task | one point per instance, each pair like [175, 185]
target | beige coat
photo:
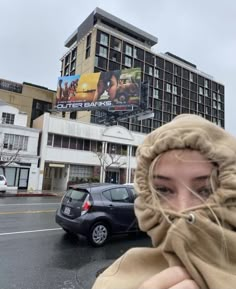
[201, 239]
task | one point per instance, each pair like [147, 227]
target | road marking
[28, 204]
[27, 212]
[26, 232]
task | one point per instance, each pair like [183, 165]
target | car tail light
[86, 206]
[6, 183]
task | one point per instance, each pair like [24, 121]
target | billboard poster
[111, 89]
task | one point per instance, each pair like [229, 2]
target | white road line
[28, 204]
[26, 232]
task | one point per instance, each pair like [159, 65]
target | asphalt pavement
[37, 254]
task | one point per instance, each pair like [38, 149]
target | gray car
[98, 211]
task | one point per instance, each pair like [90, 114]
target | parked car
[3, 184]
[98, 211]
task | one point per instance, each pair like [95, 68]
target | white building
[70, 151]
[18, 149]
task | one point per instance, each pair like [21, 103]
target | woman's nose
[185, 200]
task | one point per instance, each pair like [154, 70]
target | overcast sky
[203, 32]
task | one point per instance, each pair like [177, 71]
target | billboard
[107, 90]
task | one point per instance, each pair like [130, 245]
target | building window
[101, 62]
[174, 89]
[73, 143]
[150, 70]
[103, 51]
[176, 110]
[128, 49]
[128, 61]
[72, 65]
[50, 139]
[67, 59]
[65, 142]
[191, 76]
[177, 70]
[200, 99]
[57, 141]
[169, 67]
[15, 142]
[117, 44]
[185, 74]
[88, 45]
[193, 105]
[87, 54]
[168, 87]
[80, 172]
[104, 39]
[177, 100]
[8, 118]
[10, 86]
[166, 117]
[200, 90]
[73, 54]
[156, 84]
[156, 72]
[155, 93]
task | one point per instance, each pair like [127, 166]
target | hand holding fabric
[170, 278]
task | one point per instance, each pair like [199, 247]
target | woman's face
[178, 172]
[112, 87]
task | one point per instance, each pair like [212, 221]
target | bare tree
[107, 160]
[7, 158]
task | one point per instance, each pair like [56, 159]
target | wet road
[37, 254]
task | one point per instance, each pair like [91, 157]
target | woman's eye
[163, 190]
[204, 192]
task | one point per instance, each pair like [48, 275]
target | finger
[186, 284]
[166, 278]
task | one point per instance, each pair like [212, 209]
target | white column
[104, 153]
[128, 171]
[43, 148]
[130, 155]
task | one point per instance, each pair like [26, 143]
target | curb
[30, 195]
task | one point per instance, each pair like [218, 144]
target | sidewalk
[43, 193]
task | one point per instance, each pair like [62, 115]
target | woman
[186, 185]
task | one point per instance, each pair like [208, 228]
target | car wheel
[99, 234]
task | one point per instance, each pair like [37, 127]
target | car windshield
[1, 178]
[78, 195]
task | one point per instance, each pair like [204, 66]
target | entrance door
[23, 178]
[112, 177]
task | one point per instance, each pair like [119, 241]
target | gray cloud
[202, 32]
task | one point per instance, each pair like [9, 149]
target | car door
[120, 208]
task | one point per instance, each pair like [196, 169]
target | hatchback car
[98, 211]
[3, 184]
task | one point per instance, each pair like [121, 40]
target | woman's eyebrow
[201, 178]
[161, 177]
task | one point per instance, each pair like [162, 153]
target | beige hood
[205, 247]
